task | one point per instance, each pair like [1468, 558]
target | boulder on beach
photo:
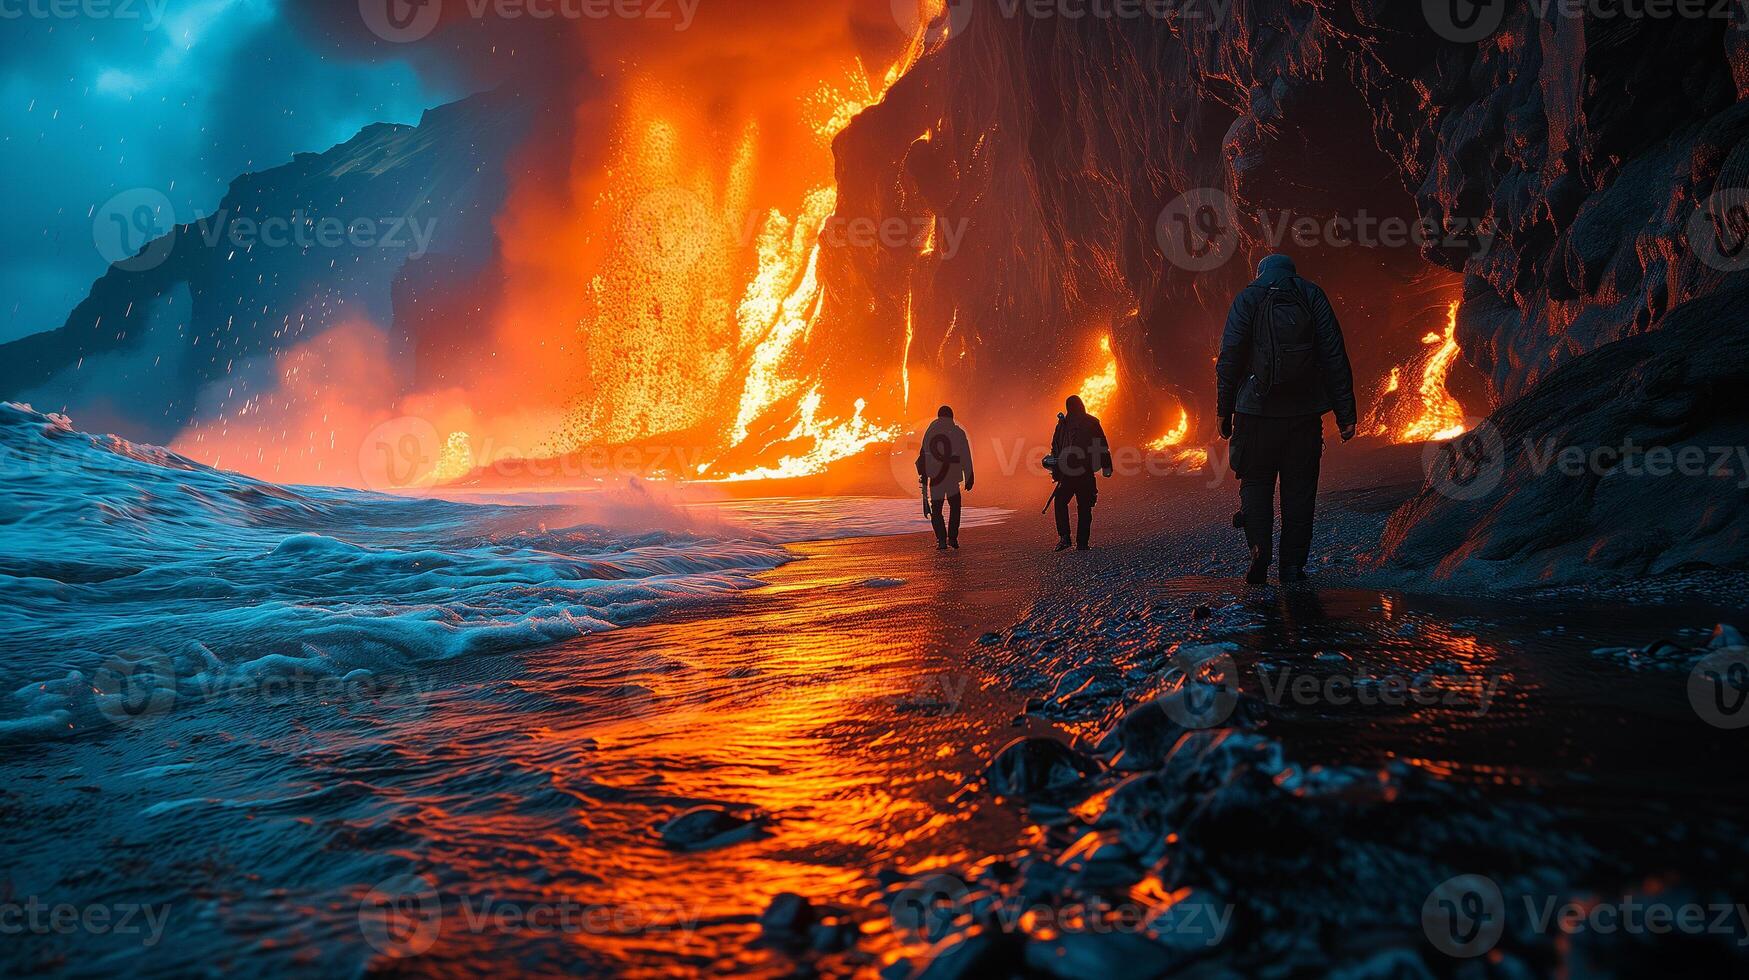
[787, 918]
[1036, 765]
[705, 827]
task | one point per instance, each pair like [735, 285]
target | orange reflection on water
[834, 704]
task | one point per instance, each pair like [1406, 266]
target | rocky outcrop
[350, 235]
[1630, 460]
[1559, 175]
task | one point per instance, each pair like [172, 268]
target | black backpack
[1284, 341]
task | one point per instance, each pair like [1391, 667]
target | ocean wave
[130, 570]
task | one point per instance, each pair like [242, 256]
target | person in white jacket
[944, 463]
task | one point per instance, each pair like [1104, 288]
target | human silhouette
[1081, 452]
[1282, 367]
[943, 462]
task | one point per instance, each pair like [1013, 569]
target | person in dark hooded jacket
[1282, 368]
[944, 462]
[1081, 451]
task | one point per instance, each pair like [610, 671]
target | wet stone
[1036, 765]
[788, 917]
[705, 827]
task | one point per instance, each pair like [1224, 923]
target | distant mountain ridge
[288, 253]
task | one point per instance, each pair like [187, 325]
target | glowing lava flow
[1098, 391]
[784, 300]
[1441, 416]
[1175, 436]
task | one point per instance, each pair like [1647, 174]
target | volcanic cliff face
[1559, 164]
[355, 235]
[1117, 177]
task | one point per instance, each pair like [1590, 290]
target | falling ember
[1099, 390]
[1441, 417]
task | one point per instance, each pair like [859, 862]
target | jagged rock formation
[1560, 163]
[215, 298]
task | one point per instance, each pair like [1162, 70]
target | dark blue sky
[97, 105]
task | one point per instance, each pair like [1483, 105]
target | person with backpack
[943, 462]
[1283, 366]
[1079, 450]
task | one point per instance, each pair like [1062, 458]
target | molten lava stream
[1440, 417]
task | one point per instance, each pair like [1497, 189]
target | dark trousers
[1290, 450]
[947, 529]
[1085, 493]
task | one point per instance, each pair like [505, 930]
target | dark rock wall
[1559, 164]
